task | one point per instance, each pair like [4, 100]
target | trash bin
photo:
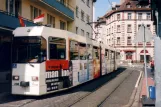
[152, 92]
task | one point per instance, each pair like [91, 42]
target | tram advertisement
[96, 63]
[58, 75]
[104, 70]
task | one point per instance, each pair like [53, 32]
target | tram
[47, 60]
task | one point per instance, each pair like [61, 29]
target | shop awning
[142, 52]
[129, 50]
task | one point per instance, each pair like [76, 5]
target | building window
[82, 15]
[118, 28]
[77, 9]
[139, 16]
[62, 2]
[138, 6]
[129, 16]
[128, 6]
[148, 26]
[129, 30]
[148, 17]
[51, 20]
[87, 34]
[118, 40]
[62, 25]
[13, 7]
[118, 16]
[76, 30]
[107, 32]
[82, 32]
[35, 12]
[88, 3]
[128, 40]
[88, 19]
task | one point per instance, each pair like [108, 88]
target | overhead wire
[110, 3]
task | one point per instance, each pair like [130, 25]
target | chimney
[122, 1]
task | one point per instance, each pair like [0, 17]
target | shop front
[148, 57]
[129, 55]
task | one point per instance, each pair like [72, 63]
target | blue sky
[102, 6]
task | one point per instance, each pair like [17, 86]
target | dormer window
[138, 6]
[128, 5]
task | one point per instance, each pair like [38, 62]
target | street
[113, 90]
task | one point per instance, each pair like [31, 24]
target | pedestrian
[152, 65]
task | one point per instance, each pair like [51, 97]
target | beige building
[118, 28]
[58, 13]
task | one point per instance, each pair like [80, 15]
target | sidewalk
[144, 99]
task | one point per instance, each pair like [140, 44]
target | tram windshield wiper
[30, 64]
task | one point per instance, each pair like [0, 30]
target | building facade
[84, 14]
[60, 14]
[119, 27]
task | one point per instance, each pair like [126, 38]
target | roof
[123, 7]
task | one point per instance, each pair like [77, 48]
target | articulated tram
[47, 60]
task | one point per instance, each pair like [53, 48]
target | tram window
[95, 52]
[74, 50]
[57, 48]
[112, 55]
[82, 51]
[106, 54]
[29, 49]
[89, 52]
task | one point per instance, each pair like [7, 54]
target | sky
[102, 6]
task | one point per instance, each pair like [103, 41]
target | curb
[132, 98]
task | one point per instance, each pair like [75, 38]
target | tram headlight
[35, 78]
[16, 77]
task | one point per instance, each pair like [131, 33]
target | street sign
[143, 31]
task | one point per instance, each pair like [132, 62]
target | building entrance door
[142, 58]
[129, 56]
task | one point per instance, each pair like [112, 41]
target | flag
[22, 24]
[39, 18]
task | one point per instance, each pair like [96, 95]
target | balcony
[56, 6]
[11, 21]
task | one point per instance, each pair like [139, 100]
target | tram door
[5, 57]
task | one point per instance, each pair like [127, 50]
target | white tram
[46, 60]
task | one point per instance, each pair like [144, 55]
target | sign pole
[145, 69]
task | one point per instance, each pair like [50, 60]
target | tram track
[111, 76]
[61, 99]
[94, 91]
[102, 103]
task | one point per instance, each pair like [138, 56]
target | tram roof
[47, 32]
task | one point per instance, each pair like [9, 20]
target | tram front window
[29, 50]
